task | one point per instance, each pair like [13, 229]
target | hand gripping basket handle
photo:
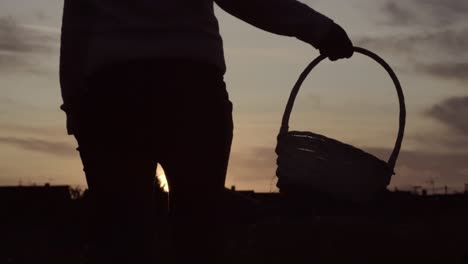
[287, 113]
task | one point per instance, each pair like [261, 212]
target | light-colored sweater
[96, 33]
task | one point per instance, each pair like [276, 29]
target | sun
[163, 182]
[162, 178]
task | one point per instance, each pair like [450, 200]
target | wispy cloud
[6, 101]
[452, 112]
[397, 14]
[438, 28]
[40, 145]
[418, 167]
[449, 42]
[447, 70]
[451, 135]
[427, 12]
[38, 130]
[17, 38]
[432, 40]
[18, 43]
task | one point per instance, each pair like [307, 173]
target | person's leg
[189, 130]
[196, 162]
[113, 135]
[121, 212]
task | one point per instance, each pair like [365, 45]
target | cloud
[15, 37]
[397, 14]
[431, 27]
[426, 12]
[39, 145]
[450, 42]
[447, 70]
[35, 130]
[441, 140]
[448, 49]
[434, 42]
[6, 101]
[453, 137]
[418, 167]
[453, 113]
[19, 43]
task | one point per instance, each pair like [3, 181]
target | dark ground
[396, 228]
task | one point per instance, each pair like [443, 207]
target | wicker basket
[312, 163]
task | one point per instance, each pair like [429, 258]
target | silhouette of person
[142, 83]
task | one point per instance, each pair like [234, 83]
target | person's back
[142, 83]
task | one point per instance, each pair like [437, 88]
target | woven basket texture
[325, 165]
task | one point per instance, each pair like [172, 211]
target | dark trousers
[140, 113]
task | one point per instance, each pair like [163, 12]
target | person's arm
[295, 19]
[283, 17]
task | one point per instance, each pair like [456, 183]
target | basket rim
[402, 115]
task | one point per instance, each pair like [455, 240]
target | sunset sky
[425, 41]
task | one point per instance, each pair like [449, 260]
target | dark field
[45, 226]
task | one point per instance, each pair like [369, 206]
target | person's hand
[336, 44]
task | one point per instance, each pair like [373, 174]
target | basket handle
[287, 113]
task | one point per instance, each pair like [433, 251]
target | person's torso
[107, 30]
[153, 14]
